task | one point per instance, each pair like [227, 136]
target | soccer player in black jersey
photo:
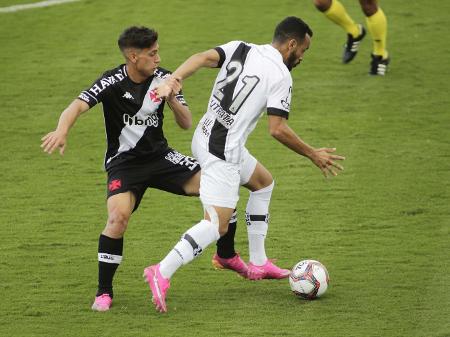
[137, 156]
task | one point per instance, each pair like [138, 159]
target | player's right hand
[53, 140]
[324, 159]
[170, 87]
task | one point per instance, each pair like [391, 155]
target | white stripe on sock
[109, 258]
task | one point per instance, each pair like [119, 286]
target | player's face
[298, 50]
[147, 60]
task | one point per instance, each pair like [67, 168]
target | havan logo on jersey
[151, 120]
[105, 82]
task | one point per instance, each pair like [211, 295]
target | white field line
[15, 8]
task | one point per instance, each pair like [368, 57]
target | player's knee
[369, 7]
[117, 220]
[218, 221]
[322, 5]
[266, 182]
[223, 229]
[260, 179]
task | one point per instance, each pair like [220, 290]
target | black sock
[225, 245]
[109, 258]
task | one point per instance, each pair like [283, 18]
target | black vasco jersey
[133, 114]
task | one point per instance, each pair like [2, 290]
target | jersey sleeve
[180, 98]
[279, 100]
[226, 50]
[96, 92]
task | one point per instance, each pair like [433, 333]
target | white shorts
[220, 180]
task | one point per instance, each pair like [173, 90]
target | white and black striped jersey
[133, 114]
[252, 79]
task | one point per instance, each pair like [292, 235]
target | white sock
[257, 218]
[192, 243]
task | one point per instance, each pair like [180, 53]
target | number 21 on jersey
[225, 88]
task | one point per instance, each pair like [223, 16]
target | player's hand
[53, 140]
[169, 88]
[324, 159]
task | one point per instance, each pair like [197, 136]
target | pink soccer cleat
[102, 303]
[234, 263]
[158, 285]
[266, 271]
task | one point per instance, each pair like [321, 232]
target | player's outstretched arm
[206, 59]
[57, 139]
[323, 158]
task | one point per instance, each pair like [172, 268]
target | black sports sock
[225, 245]
[109, 258]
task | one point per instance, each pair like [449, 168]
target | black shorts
[168, 172]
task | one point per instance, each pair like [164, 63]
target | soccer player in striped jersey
[137, 156]
[251, 79]
[376, 24]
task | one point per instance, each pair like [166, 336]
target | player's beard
[291, 61]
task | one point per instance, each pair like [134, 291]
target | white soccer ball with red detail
[309, 279]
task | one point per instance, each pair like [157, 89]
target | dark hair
[137, 37]
[291, 28]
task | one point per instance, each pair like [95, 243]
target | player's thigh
[175, 173]
[127, 177]
[260, 178]
[192, 185]
[121, 205]
[247, 167]
[219, 183]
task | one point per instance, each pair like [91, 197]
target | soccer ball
[309, 279]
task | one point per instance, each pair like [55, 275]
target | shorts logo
[115, 185]
[154, 97]
[180, 159]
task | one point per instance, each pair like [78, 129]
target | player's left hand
[324, 159]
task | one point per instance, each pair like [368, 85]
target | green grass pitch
[381, 227]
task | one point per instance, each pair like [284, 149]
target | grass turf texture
[381, 228]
